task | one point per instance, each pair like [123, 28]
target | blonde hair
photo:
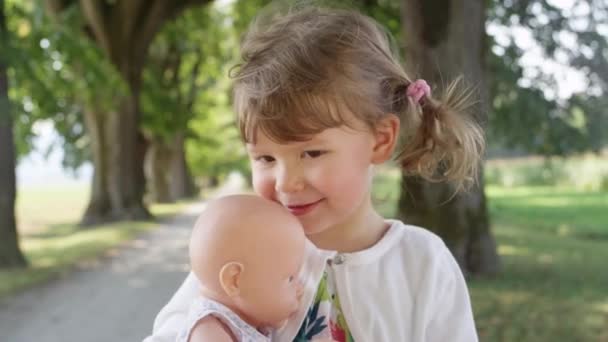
[313, 68]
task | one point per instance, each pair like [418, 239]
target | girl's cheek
[352, 185]
[263, 186]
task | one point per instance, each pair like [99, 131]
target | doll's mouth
[303, 209]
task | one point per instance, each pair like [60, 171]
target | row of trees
[139, 89]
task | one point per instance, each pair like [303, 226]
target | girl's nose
[288, 181]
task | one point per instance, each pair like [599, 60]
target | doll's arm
[211, 329]
[171, 317]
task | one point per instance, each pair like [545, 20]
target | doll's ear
[230, 275]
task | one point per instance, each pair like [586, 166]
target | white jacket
[407, 287]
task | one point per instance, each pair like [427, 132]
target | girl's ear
[386, 135]
[230, 276]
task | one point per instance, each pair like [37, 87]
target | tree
[573, 37]
[124, 30]
[445, 39]
[57, 74]
[10, 254]
[186, 60]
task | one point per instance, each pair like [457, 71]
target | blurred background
[115, 117]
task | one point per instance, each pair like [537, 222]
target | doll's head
[246, 252]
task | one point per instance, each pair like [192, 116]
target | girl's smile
[303, 209]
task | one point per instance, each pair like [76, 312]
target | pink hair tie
[418, 89]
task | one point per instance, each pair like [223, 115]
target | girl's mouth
[303, 209]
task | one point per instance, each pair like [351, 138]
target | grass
[554, 285]
[588, 172]
[553, 245]
[53, 243]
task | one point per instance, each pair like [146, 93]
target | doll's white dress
[204, 307]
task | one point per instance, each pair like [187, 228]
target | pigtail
[444, 142]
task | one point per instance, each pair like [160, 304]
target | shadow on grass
[66, 229]
[549, 289]
[54, 230]
[52, 256]
[562, 213]
[62, 246]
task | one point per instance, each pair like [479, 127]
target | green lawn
[53, 243]
[553, 244]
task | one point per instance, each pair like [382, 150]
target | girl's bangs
[284, 117]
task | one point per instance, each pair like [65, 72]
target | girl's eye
[264, 159]
[291, 278]
[312, 154]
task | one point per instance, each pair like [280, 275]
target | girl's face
[324, 182]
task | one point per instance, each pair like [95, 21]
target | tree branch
[193, 89]
[56, 6]
[97, 17]
[129, 14]
[156, 14]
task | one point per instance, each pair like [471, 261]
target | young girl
[320, 100]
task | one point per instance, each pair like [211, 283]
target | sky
[569, 80]
[36, 170]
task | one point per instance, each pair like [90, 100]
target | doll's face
[247, 251]
[270, 288]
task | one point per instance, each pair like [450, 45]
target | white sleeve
[452, 316]
[172, 316]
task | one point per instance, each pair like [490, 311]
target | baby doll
[246, 252]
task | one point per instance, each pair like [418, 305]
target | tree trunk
[167, 171]
[118, 151]
[99, 203]
[180, 179]
[10, 254]
[445, 39]
[157, 171]
[126, 181]
[124, 31]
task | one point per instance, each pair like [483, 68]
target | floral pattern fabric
[325, 318]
